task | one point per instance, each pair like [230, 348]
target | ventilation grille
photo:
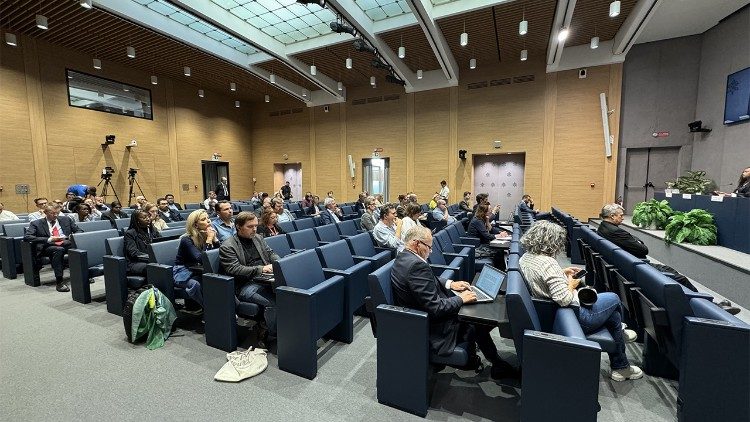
[522, 79]
[504, 81]
[477, 85]
[392, 97]
[359, 101]
[278, 113]
[372, 100]
[497, 82]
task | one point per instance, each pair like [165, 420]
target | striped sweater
[546, 279]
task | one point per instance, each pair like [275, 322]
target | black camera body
[107, 172]
[109, 139]
[132, 172]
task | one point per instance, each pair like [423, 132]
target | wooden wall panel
[327, 150]
[579, 150]
[431, 140]
[17, 159]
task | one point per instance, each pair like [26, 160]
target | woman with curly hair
[548, 280]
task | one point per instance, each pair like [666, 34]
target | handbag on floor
[242, 365]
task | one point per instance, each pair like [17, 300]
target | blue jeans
[183, 277]
[606, 312]
[262, 296]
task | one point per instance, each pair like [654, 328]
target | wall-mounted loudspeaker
[462, 154]
[605, 124]
[351, 167]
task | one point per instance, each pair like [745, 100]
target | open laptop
[488, 284]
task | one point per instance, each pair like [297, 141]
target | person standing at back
[286, 191]
[222, 190]
[444, 191]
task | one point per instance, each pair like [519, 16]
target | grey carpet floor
[64, 361]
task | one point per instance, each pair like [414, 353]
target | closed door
[501, 177]
[646, 171]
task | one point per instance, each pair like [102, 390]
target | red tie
[56, 233]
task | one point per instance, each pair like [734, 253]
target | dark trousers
[478, 335]
[139, 269]
[674, 275]
[56, 253]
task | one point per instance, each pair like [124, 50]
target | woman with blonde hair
[153, 213]
[199, 236]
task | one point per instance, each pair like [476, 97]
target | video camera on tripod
[107, 173]
[132, 172]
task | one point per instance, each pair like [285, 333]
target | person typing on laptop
[415, 286]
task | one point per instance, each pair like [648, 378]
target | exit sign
[662, 134]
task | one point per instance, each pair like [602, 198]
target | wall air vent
[297, 110]
[391, 97]
[522, 79]
[477, 85]
[285, 112]
[498, 82]
[374, 100]
[274, 113]
[359, 101]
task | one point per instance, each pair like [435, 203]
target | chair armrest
[546, 310]
[438, 269]
[332, 272]
[453, 255]
[115, 282]
[566, 324]
[323, 242]
[463, 245]
[329, 283]
[219, 311]
[696, 295]
[160, 276]
[78, 263]
[296, 250]
[473, 241]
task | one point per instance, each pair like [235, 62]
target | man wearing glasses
[39, 213]
[416, 287]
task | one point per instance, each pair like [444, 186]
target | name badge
[717, 198]
[687, 196]
[668, 194]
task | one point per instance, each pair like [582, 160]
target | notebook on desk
[488, 284]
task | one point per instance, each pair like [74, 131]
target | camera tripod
[105, 190]
[132, 182]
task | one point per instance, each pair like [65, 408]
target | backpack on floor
[127, 310]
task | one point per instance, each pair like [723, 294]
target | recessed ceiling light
[348, 62]
[523, 27]
[272, 78]
[372, 80]
[237, 104]
[340, 86]
[232, 86]
[154, 80]
[97, 63]
[201, 93]
[614, 9]
[594, 42]
[473, 64]
[524, 55]
[186, 71]
[267, 98]
[304, 93]
[420, 74]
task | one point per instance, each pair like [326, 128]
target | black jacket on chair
[416, 287]
[623, 239]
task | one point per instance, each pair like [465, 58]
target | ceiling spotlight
[11, 39]
[232, 86]
[614, 8]
[361, 46]
[201, 93]
[97, 64]
[348, 62]
[272, 78]
[313, 70]
[464, 39]
[473, 64]
[130, 52]
[340, 86]
[186, 71]
[594, 42]
[523, 27]
[342, 28]
[524, 55]
[321, 3]
[563, 34]
[401, 52]
[378, 64]
[86, 4]
[41, 22]
[394, 80]
[304, 93]
[237, 104]
[372, 80]
[154, 80]
[419, 74]
[267, 98]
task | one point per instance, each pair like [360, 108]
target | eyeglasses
[428, 246]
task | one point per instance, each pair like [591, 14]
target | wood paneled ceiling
[106, 37]
[493, 38]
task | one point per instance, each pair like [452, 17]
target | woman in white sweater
[548, 280]
[411, 218]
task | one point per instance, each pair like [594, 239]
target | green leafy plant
[695, 226]
[652, 212]
[693, 182]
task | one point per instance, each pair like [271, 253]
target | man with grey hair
[369, 219]
[332, 213]
[612, 216]
[440, 213]
[416, 287]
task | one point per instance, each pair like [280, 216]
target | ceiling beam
[262, 41]
[422, 10]
[634, 25]
[563, 16]
[365, 27]
[148, 18]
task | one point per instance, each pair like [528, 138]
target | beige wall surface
[554, 119]
[49, 145]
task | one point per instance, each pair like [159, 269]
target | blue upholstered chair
[279, 244]
[309, 306]
[116, 279]
[327, 233]
[159, 270]
[362, 248]
[348, 228]
[287, 226]
[467, 252]
[303, 239]
[304, 223]
[459, 236]
[447, 266]
[10, 249]
[85, 260]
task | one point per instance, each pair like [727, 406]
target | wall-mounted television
[737, 103]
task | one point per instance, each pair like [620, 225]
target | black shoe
[474, 364]
[503, 369]
[724, 303]
[62, 287]
[733, 310]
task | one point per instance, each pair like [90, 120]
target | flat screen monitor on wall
[737, 104]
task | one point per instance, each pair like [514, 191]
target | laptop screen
[489, 280]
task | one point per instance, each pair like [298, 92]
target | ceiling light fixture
[594, 43]
[473, 64]
[402, 49]
[340, 86]
[304, 93]
[97, 64]
[313, 70]
[130, 51]
[272, 78]
[201, 93]
[523, 27]
[372, 80]
[41, 22]
[154, 80]
[86, 4]
[419, 74]
[614, 9]
[232, 86]
[267, 98]
[464, 39]
[237, 104]
[563, 34]
[524, 55]
[11, 39]
[342, 28]
[186, 71]
[348, 62]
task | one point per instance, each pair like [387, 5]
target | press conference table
[731, 216]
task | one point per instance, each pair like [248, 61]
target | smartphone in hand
[580, 274]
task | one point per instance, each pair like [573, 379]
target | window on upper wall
[100, 94]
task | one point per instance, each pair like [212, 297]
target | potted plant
[693, 182]
[695, 226]
[652, 214]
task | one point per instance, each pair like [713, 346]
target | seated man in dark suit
[172, 204]
[332, 213]
[527, 205]
[415, 286]
[52, 233]
[167, 214]
[612, 216]
[244, 256]
[114, 213]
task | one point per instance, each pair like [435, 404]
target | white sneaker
[629, 373]
[624, 326]
[629, 335]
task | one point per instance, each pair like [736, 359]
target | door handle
[649, 185]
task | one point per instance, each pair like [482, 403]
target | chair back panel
[211, 261]
[361, 245]
[115, 246]
[301, 270]
[304, 223]
[327, 233]
[279, 244]
[16, 230]
[287, 226]
[445, 241]
[336, 255]
[303, 239]
[347, 228]
[93, 226]
[379, 281]
[163, 252]
[93, 244]
[521, 312]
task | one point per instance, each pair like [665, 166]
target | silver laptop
[487, 285]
